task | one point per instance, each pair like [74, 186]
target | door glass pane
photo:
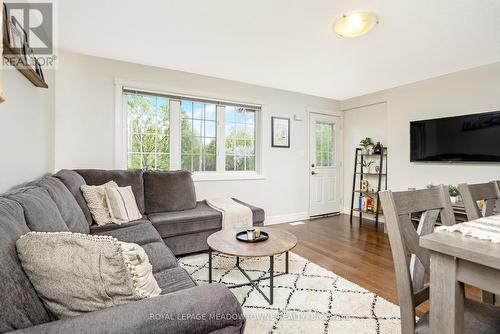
[325, 145]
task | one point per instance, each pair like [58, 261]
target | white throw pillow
[76, 273]
[95, 196]
[121, 204]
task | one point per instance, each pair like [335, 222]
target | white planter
[454, 199]
[364, 150]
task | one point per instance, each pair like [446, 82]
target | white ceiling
[288, 44]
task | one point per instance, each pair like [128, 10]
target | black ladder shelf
[360, 175]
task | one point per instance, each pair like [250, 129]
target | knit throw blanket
[486, 228]
[234, 214]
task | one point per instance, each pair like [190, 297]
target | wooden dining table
[457, 259]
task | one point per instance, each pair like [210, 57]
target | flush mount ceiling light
[355, 24]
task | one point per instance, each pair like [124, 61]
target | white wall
[465, 92]
[85, 109]
[26, 129]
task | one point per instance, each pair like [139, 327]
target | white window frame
[121, 132]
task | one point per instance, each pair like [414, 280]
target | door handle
[313, 173]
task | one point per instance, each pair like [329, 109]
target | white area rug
[310, 299]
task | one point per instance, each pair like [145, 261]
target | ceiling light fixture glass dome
[355, 24]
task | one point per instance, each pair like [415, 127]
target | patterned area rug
[310, 299]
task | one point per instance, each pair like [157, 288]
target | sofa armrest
[202, 309]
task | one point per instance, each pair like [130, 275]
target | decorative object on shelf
[366, 144]
[366, 165]
[16, 35]
[29, 57]
[368, 201]
[378, 148]
[454, 193]
[39, 69]
[280, 132]
[5, 26]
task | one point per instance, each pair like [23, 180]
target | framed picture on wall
[280, 132]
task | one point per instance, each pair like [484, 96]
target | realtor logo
[36, 19]
[28, 34]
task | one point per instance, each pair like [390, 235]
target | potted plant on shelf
[366, 165]
[366, 144]
[454, 193]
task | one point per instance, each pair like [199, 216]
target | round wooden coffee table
[225, 242]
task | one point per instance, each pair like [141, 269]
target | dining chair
[410, 271]
[472, 193]
[489, 193]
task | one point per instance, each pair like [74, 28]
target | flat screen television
[471, 138]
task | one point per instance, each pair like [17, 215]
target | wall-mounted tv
[474, 138]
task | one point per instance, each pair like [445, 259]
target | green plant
[366, 143]
[366, 164]
[453, 190]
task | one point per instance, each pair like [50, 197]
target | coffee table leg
[271, 279]
[286, 262]
[209, 266]
[237, 261]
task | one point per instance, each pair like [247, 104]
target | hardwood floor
[360, 254]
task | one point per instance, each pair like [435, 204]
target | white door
[324, 176]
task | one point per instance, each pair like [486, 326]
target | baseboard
[288, 218]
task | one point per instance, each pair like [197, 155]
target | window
[167, 132]
[198, 136]
[240, 139]
[148, 132]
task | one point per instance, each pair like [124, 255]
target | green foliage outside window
[149, 131]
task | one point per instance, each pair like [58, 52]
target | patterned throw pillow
[96, 201]
[76, 273]
[122, 205]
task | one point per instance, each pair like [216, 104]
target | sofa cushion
[70, 211]
[141, 232]
[174, 279]
[20, 304]
[123, 178]
[73, 181]
[96, 201]
[122, 204]
[168, 191]
[77, 273]
[138, 231]
[40, 211]
[201, 218]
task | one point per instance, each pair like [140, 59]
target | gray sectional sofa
[55, 203]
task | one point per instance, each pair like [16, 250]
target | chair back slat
[417, 200]
[472, 193]
[403, 236]
[418, 268]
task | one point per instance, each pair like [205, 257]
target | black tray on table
[242, 236]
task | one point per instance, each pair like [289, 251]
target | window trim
[121, 138]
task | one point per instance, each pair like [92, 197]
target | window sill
[202, 177]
